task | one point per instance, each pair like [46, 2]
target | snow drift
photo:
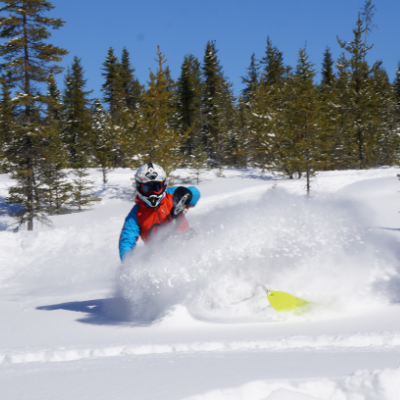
[362, 385]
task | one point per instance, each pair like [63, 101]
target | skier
[156, 206]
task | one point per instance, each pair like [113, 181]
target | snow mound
[325, 251]
[362, 385]
[377, 341]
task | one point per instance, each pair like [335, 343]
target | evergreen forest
[283, 119]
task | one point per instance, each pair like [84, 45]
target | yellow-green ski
[281, 301]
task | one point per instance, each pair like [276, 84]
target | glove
[181, 199]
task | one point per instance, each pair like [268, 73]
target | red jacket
[143, 220]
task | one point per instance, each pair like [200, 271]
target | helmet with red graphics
[151, 182]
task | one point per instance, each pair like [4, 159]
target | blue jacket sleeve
[130, 233]
[195, 194]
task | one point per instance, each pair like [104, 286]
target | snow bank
[325, 251]
[362, 385]
[374, 341]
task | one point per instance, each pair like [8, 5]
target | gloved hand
[181, 198]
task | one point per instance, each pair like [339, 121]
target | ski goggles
[154, 187]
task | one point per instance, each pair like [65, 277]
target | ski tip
[266, 290]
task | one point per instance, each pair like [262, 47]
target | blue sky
[239, 27]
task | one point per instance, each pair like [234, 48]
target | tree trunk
[29, 160]
[360, 148]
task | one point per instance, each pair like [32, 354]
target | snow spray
[323, 250]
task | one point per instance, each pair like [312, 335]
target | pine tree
[122, 94]
[265, 145]
[82, 192]
[305, 120]
[56, 189]
[113, 88]
[251, 79]
[367, 13]
[383, 140]
[260, 110]
[189, 91]
[7, 122]
[132, 90]
[396, 86]
[274, 70]
[328, 77]
[362, 98]
[159, 134]
[103, 139]
[28, 60]
[329, 109]
[217, 108]
[338, 107]
[54, 101]
[77, 125]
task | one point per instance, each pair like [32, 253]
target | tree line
[282, 120]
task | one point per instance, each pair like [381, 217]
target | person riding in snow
[156, 206]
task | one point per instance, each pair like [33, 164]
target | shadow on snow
[111, 311]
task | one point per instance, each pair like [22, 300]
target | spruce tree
[28, 59]
[8, 121]
[328, 77]
[77, 125]
[273, 70]
[159, 134]
[217, 108]
[264, 145]
[54, 101]
[56, 189]
[103, 139]
[260, 120]
[367, 13]
[82, 192]
[362, 98]
[329, 108]
[396, 86]
[251, 79]
[305, 120]
[132, 90]
[122, 95]
[189, 91]
[112, 88]
[383, 140]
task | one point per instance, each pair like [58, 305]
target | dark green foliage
[113, 86]
[28, 61]
[132, 90]
[160, 137]
[273, 70]
[57, 191]
[396, 86]
[328, 77]
[306, 122]
[251, 79]
[362, 99]
[123, 95]
[82, 193]
[189, 92]
[77, 124]
[7, 122]
[216, 107]
[102, 139]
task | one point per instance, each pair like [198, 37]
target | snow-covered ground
[190, 320]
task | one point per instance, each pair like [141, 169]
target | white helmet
[151, 182]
